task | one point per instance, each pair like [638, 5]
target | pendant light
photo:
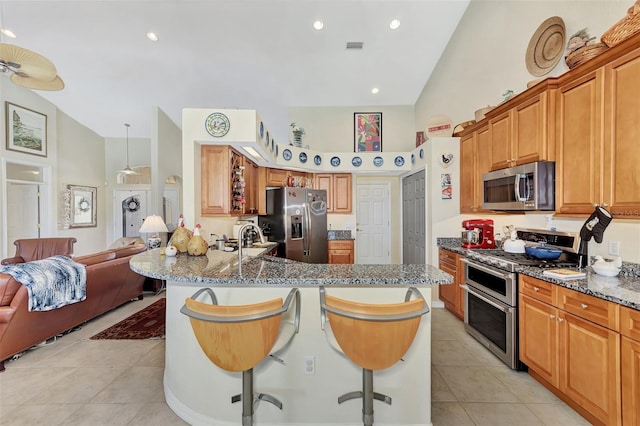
[127, 170]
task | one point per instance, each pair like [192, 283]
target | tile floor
[120, 382]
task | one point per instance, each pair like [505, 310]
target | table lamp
[153, 225]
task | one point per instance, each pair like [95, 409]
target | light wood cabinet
[563, 347]
[341, 251]
[474, 162]
[630, 365]
[598, 160]
[520, 135]
[339, 191]
[452, 294]
[215, 162]
[277, 177]
[255, 189]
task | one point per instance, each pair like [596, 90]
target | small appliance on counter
[478, 234]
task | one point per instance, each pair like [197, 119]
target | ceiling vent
[354, 45]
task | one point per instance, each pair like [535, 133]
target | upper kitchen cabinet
[474, 162]
[339, 191]
[598, 160]
[520, 134]
[216, 164]
[255, 188]
[277, 177]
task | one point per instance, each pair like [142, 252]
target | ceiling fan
[128, 170]
[29, 69]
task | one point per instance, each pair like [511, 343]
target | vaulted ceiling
[247, 54]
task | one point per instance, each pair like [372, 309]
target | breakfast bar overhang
[200, 393]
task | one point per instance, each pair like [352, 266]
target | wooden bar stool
[373, 336]
[237, 338]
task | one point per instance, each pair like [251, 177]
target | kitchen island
[199, 392]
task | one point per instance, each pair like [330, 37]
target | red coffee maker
[478, 234]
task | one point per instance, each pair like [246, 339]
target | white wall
[485, 57]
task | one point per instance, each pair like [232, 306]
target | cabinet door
[276, 177]
[447, 293]
[342, 193]
[578, 140]
[251, 190]
[340, 256]
[468, 174]
[538, 342]
[590, 367]
[500, 134]
[483, 164]
[622, 136]
[215, 164]
[325, 181]
[630, 360]
[530, 130]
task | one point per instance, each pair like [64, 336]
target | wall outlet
[614, 248]
[309, 365]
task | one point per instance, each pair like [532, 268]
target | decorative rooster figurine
[197, 246]
[181, 236]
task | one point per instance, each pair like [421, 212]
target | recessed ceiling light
[152, 36]
[394, 24]
[375, 90]
[7, 32]
[318, 25]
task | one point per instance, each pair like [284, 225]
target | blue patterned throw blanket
[51, 283]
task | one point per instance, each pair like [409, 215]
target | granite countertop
[338, 234]
[219, 268]
[623, 289]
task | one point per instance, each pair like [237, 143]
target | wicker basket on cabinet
[624, 28]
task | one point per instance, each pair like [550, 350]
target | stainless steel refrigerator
[297, 219]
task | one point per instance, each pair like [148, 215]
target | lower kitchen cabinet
[576, 357]
[452, 294]
[341, 251]
[630, 365]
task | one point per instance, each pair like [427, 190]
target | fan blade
[31, 63]
[33, 83]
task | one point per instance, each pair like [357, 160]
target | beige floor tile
[523, 385]
[475, 384]
[440, 392]
[19, 384]
[79, 387]
[36, 415]
[104, 414]
[449, 414]
[136, 384]
[157, 414]
[155, 357]
[500, 414]
[557, 414]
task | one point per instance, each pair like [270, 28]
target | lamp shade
[153, 224]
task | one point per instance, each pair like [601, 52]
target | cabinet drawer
[596, 310]
[446, 267]
[630, 322]
[538, 289]
[340, 245]
[446, 256]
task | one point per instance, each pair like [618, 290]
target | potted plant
[297, 134]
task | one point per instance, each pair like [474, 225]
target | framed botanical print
[26, 130]
[367, 132]
[82, 206]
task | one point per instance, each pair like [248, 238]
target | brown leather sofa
[110, 283]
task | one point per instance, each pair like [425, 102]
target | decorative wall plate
[421, 153]
[399, 161]
[272, 147]
[335, 161]
[261, 130]
[302, 157]
[277, 150]
[317, 160]
[413, 159]
[286, 154]
[445, 159]
[356, 161]
[217, 124]
[378, 161]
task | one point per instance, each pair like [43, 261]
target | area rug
[145, 324]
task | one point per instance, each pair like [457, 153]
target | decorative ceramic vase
[297, 138]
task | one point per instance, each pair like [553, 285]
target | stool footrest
[358, 394]
[259, 396]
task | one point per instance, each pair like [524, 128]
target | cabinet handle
[584, 305]
[536, 289]
[551, 316]
[560, 319]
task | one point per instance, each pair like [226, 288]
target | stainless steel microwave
[525, 187]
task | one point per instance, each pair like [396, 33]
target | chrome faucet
[240, 232]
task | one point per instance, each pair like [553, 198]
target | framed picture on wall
[367, 132]
[82, 202]
[26, 130]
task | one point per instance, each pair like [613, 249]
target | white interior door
[129, 211]
[23, 213]
[373, 227]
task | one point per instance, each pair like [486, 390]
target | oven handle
[506, 276]
[506, 310]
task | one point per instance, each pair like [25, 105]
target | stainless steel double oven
[490, 313]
